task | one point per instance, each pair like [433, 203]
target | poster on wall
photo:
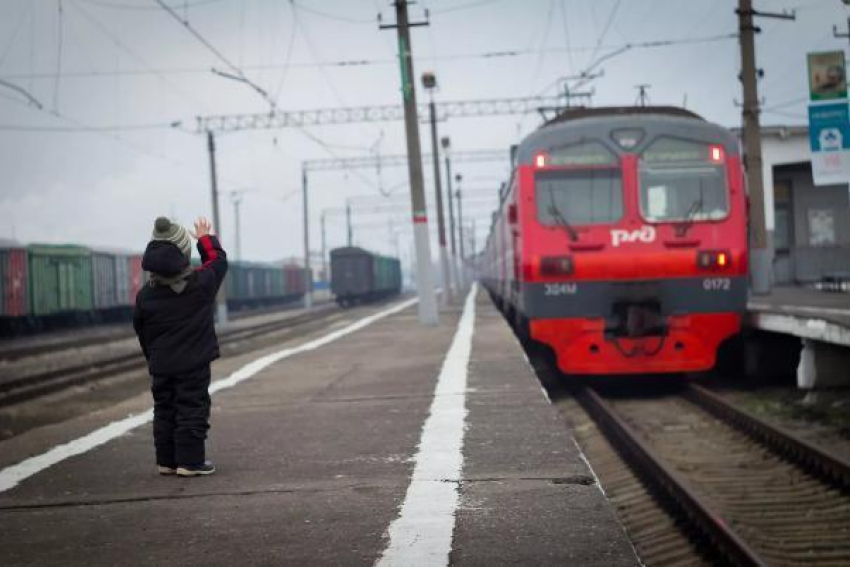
[821, 227]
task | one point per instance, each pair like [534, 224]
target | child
[173, 319]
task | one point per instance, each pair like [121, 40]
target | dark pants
[181, 414]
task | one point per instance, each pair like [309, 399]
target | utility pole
[349, 229]
[458, 178]
[840, 35]
[445, 142]
[308, 273]
[220, 298]
[427, 297]
[429, 81]
[236, 199]
[760, 255]
[643, 96]
[324, 251]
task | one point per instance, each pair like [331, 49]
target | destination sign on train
[585, 154]
[677, 151]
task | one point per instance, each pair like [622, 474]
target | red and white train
[621, 240]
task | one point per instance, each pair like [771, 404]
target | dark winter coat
[176, 330]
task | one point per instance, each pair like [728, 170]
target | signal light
[715, 154]
[713, 260]
[554, 266]
[540, 160]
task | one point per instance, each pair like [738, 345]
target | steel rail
[669, 483]
[806, 455]
[35, 385]
[12, 353]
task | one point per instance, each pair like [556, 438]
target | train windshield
[683, 181]
[579, 197]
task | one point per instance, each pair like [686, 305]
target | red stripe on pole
[420, 219]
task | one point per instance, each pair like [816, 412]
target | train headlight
[715, 154]
[540, 160]
[714, 260]
[555, 266]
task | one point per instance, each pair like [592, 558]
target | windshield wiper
[683, 227]
[559, 216]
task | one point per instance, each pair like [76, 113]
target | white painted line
[791, 309]
[11, 476]
[422, 534]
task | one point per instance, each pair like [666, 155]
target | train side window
[683, 180]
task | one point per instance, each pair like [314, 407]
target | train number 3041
[716, 284]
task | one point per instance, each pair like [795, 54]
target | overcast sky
[128, 69]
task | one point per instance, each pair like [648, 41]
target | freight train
[45, 286]
[358, 276]
[621, 240]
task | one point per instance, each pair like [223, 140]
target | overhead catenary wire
[288, 57]
[59, 44]
[486, 55]
[239, 74]
[112, 4]
[124, 47]
[14, 35]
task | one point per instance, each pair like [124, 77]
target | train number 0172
[716, 284]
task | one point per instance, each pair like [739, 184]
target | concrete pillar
[823, 365]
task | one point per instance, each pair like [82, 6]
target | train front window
[579, 197]
[683, 180]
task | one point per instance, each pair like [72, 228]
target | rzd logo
[643, 234]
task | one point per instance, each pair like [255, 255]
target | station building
[808, 225]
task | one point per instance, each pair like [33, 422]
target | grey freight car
[358, 275]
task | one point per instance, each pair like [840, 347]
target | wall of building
[820, 225]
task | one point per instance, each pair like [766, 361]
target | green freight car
[60, 281]
[358, 275]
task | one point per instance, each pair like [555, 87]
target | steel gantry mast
[377, 113]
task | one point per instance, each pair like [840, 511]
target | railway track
[32, 386]
[89, 337]
[748, 491]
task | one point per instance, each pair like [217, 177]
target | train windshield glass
[584, 196]
[683, 180]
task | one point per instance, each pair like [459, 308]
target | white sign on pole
[829, 138]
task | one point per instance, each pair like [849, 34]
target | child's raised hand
[202, 227]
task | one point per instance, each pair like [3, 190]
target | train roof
[584, 124]
[577, 112]
[357, 251]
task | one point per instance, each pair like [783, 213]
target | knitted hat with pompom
[164, 229]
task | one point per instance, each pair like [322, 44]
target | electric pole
[445, 142]
[760, 255]
[427, 297]
[236, 199]
[349, 229]
[643, 96]
[840, 35]
[324, 251]
[308, 273]
[458, 177]
[429, 81]
[220, 298]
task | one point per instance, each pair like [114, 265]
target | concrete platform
[820, 319]
[316, 454]
[805, 312]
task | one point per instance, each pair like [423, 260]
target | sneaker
[165, 470]
[196, 470]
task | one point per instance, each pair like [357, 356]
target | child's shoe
[196, 470]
